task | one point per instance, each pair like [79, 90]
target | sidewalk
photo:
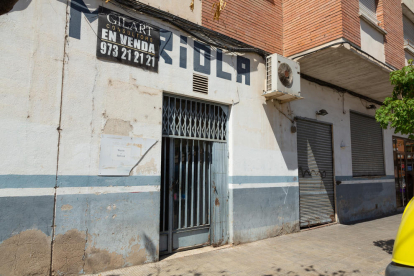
[338, 250]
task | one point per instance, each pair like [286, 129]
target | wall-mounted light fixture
[322, 112]
[371, 106]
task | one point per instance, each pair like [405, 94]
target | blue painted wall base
[261, 213]
[365, 201]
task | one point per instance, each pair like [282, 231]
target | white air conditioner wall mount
[282, 79]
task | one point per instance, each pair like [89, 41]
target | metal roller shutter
[316, 179]
[369, 8]
[408, 30]
[367, 146]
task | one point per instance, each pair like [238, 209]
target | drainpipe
[59, 129]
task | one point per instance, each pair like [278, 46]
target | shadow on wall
[150, 247]
[371, 32]
[7, 5]
[277, 116]
[386, 245]
[359, 203]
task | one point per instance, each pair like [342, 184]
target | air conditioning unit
[282, 79]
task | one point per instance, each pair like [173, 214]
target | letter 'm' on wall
[243, 69]
[77, 7]
[220, 72]
[166, 44]
[202, 57]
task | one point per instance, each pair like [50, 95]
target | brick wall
[394, 39]
[350, 21]
[255, 22]
[380, 12]
[304, 24]
[310, 23]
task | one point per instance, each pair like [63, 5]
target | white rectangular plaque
[119, 154]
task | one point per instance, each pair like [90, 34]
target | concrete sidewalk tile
[360, 249]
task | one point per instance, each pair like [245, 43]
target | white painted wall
[372, 41]
[97, 93]
[30, 85]
[180, 8]
[261, 142]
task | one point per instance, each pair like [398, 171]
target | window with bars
[408, 30]
[193, 119]
[369, 9]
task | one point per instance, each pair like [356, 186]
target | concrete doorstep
[363, 248]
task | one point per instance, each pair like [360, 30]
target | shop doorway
[403, 170]
[316, 176]
[193, 175]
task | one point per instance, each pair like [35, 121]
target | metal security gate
[191, 132]
[316, 178]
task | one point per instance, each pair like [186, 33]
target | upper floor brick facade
[290, 27]
[258, 23]
[308, 24]
[392, 22]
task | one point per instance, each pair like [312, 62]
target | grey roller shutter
[316, 179]
[367, 146]
[408, 30]
[369, 8]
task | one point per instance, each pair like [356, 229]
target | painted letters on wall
[202, 57]
[77, 7]
[202, 53]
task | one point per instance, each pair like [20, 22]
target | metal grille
[369, 8]
[193, 119]
[190, 169]
[185, 192]
[269, 73]
[200, 84]
[408, 30]
[316, 179]
[367, 146]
